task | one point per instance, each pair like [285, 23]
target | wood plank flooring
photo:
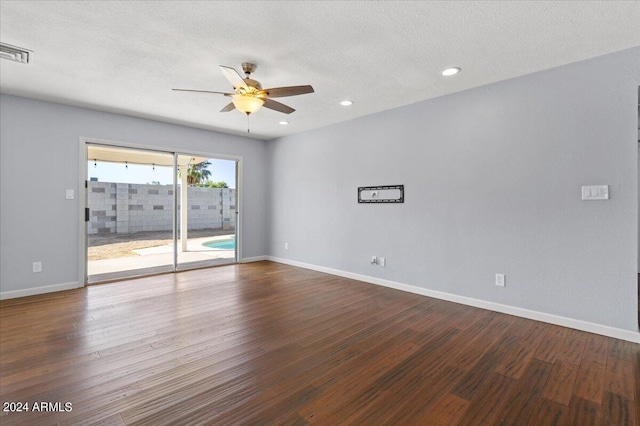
[270, 344]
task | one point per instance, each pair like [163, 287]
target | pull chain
[248, 131]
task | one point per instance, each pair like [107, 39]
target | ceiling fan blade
[281, 92]
[203, 91]
[234, 77]
[277, 106]
[229, 107]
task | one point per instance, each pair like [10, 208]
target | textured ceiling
[126, 56]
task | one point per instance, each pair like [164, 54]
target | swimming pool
[229, 244]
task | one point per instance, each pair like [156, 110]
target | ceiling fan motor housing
[253, 83]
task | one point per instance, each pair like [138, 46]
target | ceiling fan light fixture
[451, 71]
[247, 103]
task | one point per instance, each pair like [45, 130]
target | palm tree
[197, 173]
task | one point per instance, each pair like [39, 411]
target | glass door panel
[130, 204]
[206, 212]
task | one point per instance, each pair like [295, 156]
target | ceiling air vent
[14, 53]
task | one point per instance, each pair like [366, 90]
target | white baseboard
[253, 259]
[38, 290]
[617, 333]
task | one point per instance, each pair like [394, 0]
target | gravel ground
[113, 245]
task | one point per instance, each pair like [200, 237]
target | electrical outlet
[37, 267]
[374, 260]
[500, 280]
[382, 262]
[286, 246]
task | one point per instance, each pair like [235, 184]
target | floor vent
[14, 53]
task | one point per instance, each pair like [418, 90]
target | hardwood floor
[266, 343]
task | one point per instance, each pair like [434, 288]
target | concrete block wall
[150, 208]
[130, 208]
[204, 208]
[102, 207]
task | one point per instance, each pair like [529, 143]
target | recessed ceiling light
[346, 103]
[451, 71]
[284, 123]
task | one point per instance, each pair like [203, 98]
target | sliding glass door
[150, 212]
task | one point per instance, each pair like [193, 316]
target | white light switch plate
[70, 194]
[595, 192]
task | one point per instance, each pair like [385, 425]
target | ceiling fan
[249, 96]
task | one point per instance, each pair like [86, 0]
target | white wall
[39, 154]
[492, 182]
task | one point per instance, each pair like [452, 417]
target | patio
[113, 256]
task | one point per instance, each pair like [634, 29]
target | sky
[221, 170]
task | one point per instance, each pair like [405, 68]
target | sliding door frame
[82, 195]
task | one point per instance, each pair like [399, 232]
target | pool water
[221, 244]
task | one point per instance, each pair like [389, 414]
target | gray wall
[492, 182]
[39, 142]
